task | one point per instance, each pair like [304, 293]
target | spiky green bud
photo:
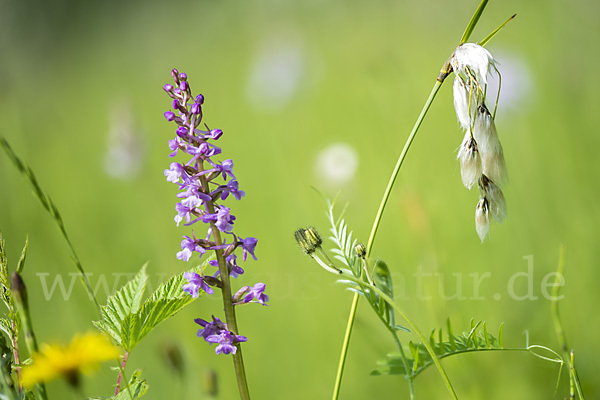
[308, 239]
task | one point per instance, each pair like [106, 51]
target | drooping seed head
[495, 198]
[470, 162]
[482, 221]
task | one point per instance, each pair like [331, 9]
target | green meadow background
[81, 102]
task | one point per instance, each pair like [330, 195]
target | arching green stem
[413, 328]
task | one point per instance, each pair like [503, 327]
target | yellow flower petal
[83, 354]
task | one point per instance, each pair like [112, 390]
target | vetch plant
[482, 163]
[213, 254]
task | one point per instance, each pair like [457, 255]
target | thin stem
[411, 377]
[409, 141]
[560, 333]
[414, 328]
[19, 292]
[230, 318]
[49, 205]
[121, 372]
[228, 307]
[14, 340]
[346, 342]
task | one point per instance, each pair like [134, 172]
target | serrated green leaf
[165, 302]
[155, 312]
[3, 264]
[6, 326]
[30, 395]
[171, 289]
[5, 294]
[124, 302]
[138, 387]
[130, 331]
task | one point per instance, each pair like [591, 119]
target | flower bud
[360, 250]
[216, 134]
[182, 132]
[308, 239]
[212, 281]
[195, 109]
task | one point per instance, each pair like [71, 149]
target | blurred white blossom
[337, 164]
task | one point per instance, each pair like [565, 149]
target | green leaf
[3, 264]
[343, 240]
[474, 19]
[124, 302]
[135, 389]
[383, 280]
[21, 263]
[6, 326]
[491, 35]
[171, 289]
[420, 359]
[450, 335]
[136, 386]
[166, 301]
[486, 336]
[130, 331]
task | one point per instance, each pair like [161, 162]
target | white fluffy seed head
[495, 199]
[472, 59]
[482, 221]
[490, 149]
[470, 162]
[465, 112]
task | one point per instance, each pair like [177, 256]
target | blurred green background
[81, 102]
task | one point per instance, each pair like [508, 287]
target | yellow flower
[83, 354]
